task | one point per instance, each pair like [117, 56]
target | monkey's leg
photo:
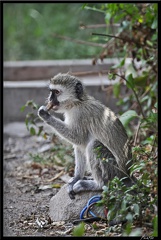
[97, 170]
[80, 164]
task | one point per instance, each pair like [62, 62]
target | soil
[27, 188]
[29, 183]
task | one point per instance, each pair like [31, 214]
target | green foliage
[79, 230]
[31, 119]
[137, 39]
[126, 117]
[135, 203]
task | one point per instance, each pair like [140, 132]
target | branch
[137, 131]
[83, 26]
[79, 41]
[108, 35]
[86, 73]
[127, 39]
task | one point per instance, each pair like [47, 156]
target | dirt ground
[25, 202]
[29, 183]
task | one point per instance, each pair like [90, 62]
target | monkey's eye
[56, 92]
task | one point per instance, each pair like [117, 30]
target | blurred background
[29, 30]
[43, 39]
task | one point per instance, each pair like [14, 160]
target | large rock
[63, 208]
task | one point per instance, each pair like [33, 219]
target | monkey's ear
[79, 90]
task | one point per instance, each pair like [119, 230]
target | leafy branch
[129, 81]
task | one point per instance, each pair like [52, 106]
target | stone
[62, 208]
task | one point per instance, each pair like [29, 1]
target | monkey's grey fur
[97, 135]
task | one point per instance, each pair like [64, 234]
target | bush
[136, 38]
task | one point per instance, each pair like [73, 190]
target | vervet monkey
[97, 135]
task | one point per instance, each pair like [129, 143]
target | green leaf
[22, 108]
[136, 208]
[120, 64]
[111, 214]
[130, 71]
[126, 117]
[123, 204]
[130, 81]
[111, 76]
[149, 43]
[29, 103]
[136, 168]
[116, 90]
[155, 226]
[152, 118]
[35, 106]
[27, 123]
[129, 217]
[141, 80]
[148, 140]
[84, 5]
[79, 230]
[40, 130]
[154, 24]
[32, 131]
[156, 105]
[128, 229]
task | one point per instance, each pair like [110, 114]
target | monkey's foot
[70, 190]
[86, 185]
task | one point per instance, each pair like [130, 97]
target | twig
[89, 73]
[57, 176]
[79, 41]
[82, 26]
[137, 131]
[108, 35]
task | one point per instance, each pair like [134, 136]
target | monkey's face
[65, 92]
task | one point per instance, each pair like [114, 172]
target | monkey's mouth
[50, 106]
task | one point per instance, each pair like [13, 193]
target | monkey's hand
[43, 113]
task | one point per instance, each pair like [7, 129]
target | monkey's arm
[59, 126]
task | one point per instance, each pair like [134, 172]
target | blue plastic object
[90, 201]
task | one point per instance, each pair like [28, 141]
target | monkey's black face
[53, 101]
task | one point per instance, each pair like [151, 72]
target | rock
[62, 208]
